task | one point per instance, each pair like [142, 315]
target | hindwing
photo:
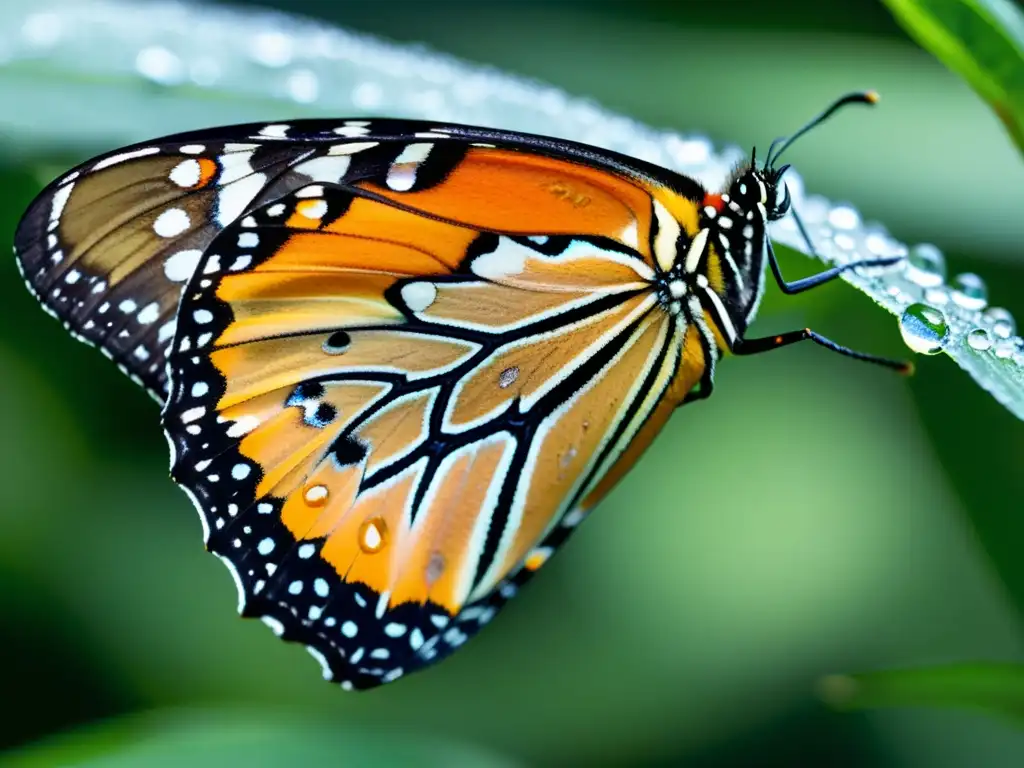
[389, 421]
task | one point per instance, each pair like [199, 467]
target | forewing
[108, 247]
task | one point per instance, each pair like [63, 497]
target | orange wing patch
[515, 192]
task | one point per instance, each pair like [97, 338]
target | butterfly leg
[806, 283]
[768, 343]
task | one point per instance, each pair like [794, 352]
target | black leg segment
[768, 343]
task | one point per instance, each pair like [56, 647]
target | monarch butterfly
[401, 361]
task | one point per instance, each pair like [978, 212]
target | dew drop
[160, 66]
[435, 567]
[924, 329]
[1004, 349]
[303, 86]
[1002, 322]
[565, 459]
[508, 377]
[936, 296]
[925, 265]
[316, 495]
[373, 535]
[844, 217]
[979, 339]
[969, 291]
[844, 241]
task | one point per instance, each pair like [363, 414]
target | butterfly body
[399, 362]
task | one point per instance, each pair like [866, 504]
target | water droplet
[1004, 349]
[205, 71]
[565, 459]
[160, 66]
[508, 377]
[367, 96]
[880, 243]
[316, 495]
[435, 567]
[689, 151]
[969, 291]
[303, 86]
[924, 329]
[844, 241]
[42, 30]
[272, 49]
[936, 296]
[844, 217]
[979, 339]
[926, 265]
[373, 535]
[1002, 322]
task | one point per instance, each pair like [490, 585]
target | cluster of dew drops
[926, 324]
[935, 314]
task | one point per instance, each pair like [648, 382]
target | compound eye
[782, 201]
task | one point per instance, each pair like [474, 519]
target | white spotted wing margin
[480, 507]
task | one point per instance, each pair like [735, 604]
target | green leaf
[987, 687]
[982, 41]
[199, 738]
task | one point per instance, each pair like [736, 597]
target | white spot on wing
[402, 174]
[418, 296]
[149, 313]
[507, 259]
[187, 173]
[275, 131]
[171, 223]
[179, 266]
[350, 148]
[239, 184]
[696, 250]
[60, 199]
[668, 235]
[328, 169]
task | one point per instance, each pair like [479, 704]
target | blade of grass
[993, 688]
[980, 40]
[212, 737]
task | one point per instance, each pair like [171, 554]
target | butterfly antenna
[781, 144]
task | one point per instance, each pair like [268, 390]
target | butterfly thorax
[734, 263]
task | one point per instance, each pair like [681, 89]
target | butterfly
[401, 361]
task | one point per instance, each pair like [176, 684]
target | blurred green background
[815, 516]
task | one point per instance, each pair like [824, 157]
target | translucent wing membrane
[393, 398]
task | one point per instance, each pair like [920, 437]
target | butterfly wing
[393, 399]
[108, 247]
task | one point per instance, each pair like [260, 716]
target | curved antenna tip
[871, 97]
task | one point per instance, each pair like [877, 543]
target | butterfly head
[761, 190]
[737, 219]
